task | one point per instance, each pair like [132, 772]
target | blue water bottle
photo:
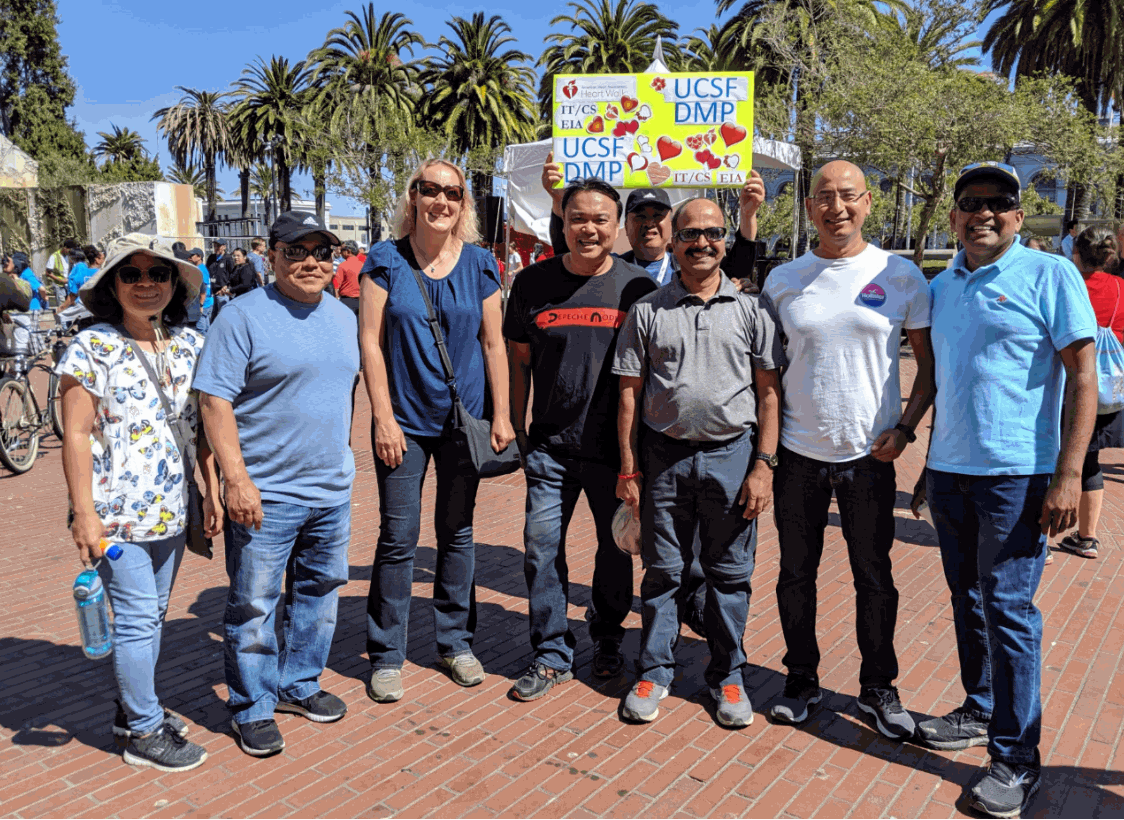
[90, 601]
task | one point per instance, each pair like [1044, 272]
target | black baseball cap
[294, 225]
[196, 252]
[642, 197]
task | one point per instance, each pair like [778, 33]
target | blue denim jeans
[392, 578]
[993, 552]
[687, 485]
[306, 549]
[139, 584]
[865, 489]
[553, 484]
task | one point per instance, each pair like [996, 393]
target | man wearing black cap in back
[275, 384]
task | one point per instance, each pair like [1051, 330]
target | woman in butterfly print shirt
[126, 474]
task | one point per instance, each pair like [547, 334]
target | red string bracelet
[628, 477]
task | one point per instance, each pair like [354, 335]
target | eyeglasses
[298, 253]
[158, 274]
[453, 193]
[995, 204]
[693, 234]
[827, 198]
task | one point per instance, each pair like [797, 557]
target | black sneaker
[959, 729]
[607, 658]
[173, 723]
[164, 750]
[883, 704]
[320, 707]
[259, 738]
[1006, 789]
[538, 681]
[800, 693]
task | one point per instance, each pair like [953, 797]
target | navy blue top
[421, 400]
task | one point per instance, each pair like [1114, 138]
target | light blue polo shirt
[1000, 381]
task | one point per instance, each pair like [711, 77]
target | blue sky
[128, 56]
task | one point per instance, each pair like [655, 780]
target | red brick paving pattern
[446, 751]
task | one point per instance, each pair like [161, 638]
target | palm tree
[603, 39]
[936, 31]
[191, 174]
[479, 96]
[198, 128]
[120, 146]
[713, 49]
[270, 99]
[260, 184]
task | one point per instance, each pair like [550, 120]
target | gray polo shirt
[697, 359]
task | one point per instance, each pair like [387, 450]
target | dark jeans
[553, 484]
[993, 551]
[689, 486]
[392, 578]
[865, 489]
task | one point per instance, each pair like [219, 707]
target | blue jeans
[139, 584]
[689, 485]
[553, 484]
[993, 552]
[306, 548]
[392, 578]
[204, 322]
[865, 489]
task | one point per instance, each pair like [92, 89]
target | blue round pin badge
[873, 296]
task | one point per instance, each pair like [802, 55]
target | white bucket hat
[121, 249]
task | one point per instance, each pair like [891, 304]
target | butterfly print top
[138, 471]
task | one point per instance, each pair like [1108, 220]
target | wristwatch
[769, 458]
[906, 431]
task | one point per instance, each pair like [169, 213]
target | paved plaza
[446, 751]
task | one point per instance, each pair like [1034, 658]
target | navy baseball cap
[295, 225]
[642, 197]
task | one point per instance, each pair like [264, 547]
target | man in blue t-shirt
[206, 299]
[275, 384]
[1013, 334]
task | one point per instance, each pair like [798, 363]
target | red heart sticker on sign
[611, 112]
[629, 103]
[668, 148]
[570, 89]
[732, 133]
[595, 126]
[631, 126]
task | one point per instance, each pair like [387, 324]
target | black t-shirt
[571, 323]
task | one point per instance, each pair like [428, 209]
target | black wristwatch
[769, 458]
[910, 436]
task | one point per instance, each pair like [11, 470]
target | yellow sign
[690, 130]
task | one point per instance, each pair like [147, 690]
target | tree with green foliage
[197, 129]
[122, 145]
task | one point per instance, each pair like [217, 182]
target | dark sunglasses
[130, 275]
[298, 253]
[693, 234]
[453, 193]
[995, 204]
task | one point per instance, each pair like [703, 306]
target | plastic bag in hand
[626, 530]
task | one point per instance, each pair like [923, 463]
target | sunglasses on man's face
[130, 275]
[693, 234]
[995, 204]
[298, 253]
[453, 193]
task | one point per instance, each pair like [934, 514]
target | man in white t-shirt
[842, 308]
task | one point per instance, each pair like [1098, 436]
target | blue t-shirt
[257, 260]
[208, 302]
[287, 367]
[996, 336]
[77, 277]
[29, 276]
[418, 392]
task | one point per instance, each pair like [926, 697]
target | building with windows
[345, 227]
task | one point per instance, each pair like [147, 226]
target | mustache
[702, 252]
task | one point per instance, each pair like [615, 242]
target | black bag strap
[169, 416]
[435, 326]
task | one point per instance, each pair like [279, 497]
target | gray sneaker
[959, 729]
[385, 685]
[882, 703]
[800, 694]
[464, 669]
[164, 750]
[734, 709]
[643, 702]
[1006, 789]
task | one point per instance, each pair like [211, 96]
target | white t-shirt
[842, 321]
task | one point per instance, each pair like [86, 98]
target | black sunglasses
[130, 274]
[693, 234]
[298, 253]
[453, 193]
[995, 204]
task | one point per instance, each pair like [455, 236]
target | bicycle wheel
[19, 434]
[54, 405]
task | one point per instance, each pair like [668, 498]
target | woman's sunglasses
[130, 275]
[453, 193]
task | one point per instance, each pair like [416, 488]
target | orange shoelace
[644, 688]
[732, 693]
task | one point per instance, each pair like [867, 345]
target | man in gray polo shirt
[689, 356]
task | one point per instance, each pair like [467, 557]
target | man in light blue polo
[1013, 334]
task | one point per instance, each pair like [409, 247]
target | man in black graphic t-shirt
[561, 324]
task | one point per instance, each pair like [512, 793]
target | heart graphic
[644, 113]
[709, 137]
[668, 148]
[620, 129]
[703, 157]
[629, 103]
[612, 112]
[658, 174]
[642, 143]
[637, 162]
[570, 89]
[732, 133]
[595, 125]
[631, 126]
[732, 161]
[694, 142]
[713, 162]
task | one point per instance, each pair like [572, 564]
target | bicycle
[22, 420]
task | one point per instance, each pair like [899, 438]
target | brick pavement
[446, 751]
